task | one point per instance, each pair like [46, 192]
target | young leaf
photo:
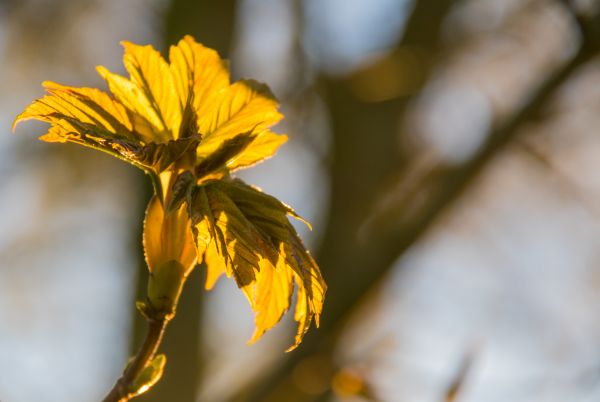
[222, 156]
[159, 157]
[150, 72]
[246, 106]
[135, 100]
[189, 98]
[198, 69]
[187, 125]
[247, 232]
[149, 376]
[103, 117]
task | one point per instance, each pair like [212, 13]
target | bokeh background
[447, 153]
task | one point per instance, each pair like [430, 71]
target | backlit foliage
[187, 126]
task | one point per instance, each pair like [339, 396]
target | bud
[165, 285]
[170, 254]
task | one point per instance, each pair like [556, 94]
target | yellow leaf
[189, 97]
[87, 105]
[187, 125]
[254, 239]
[229, 240]
[150, 72]
[246, 106]
[216, 265]
[198, 68]
[98, 105]
[269, 215]
[263, 146]
[54, 134]
[85, 116]
[147, 121]
[219, 160]
[273, 292]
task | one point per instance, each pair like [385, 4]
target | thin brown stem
[121, 391]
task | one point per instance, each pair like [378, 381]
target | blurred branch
[460, 377]
[353, 269]
[449, 183]
[567, 185]
[587, 21]
[445, 184]
[211, 22]
[352, 177]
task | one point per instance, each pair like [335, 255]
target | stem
[121, 390]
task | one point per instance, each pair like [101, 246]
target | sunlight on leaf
[149, 71]
[248, 233]
[183, 122]
[246, 106]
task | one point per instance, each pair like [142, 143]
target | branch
[443, 188]
[446, 186]
[123, 390]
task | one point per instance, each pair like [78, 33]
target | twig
[460, 377]
[121, 391]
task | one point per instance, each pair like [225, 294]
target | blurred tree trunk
[211, 23]
[365, 149]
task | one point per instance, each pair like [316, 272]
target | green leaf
[149, 376]
[144, 309]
